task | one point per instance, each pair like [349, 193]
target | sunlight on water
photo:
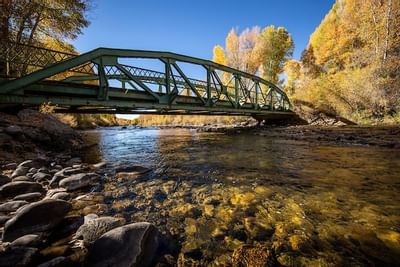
[314, 205]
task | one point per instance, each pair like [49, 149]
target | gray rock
[4, 180]
[61, 195]
[17, 256]
[130, 245]
[27, 164]
[33, 170]
[56, 262]
[73, 161]
[132, 169]
[31, 240]
[10, 166]
[12, 205]
[77, 181]
[74, 170]
[39, 216]
[54, 191]
[41, 176]
[100, 165]
[43, 169]
[14, 189]
[22, 178]
[4, 218]
[29, 196]
[92, 229]
[57, 177]
[20, 171]
[13, 130]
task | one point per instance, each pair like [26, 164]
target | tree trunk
[388, 15]
[4, 35]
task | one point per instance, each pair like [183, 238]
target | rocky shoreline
[41, 215]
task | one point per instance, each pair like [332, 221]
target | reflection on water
[314, 205]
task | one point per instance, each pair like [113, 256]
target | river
[312, 203]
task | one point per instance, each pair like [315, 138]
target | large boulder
[14, 189]
[79, 180]
[37, 217]
[130, 245]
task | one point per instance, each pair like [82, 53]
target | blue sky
[194, 27]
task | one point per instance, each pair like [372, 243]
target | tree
[292, 70]
[30, 21]
[308, 61]
[254, 51]
[274, 46]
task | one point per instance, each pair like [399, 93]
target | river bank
[291, 196]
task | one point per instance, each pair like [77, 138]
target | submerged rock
[130, 245]
[254, 256]
[78, 181]
[14, 189]
[37, 217]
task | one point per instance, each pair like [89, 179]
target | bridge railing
[107, 70]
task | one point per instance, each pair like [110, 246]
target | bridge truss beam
[111, 81]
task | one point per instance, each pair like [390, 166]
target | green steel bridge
[123, 81]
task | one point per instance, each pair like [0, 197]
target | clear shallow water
[313, 204]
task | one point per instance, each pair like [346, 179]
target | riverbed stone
[20, 171]
[62, 195]
[10, 166]
[255, 256]
[52, 192]
[4, 218]
[130, 245]
[12, 205]
[17, 256]
[41, 176]
[4, 180]
[30, 240]
[39, 216]
[57, 177]
[14, 130]
[56, 262]
[22, 178]
[78, 181]
[93, 229]
[100, 165]
[33, 170]
[29, 196]
[14, 189]
[132, 169]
